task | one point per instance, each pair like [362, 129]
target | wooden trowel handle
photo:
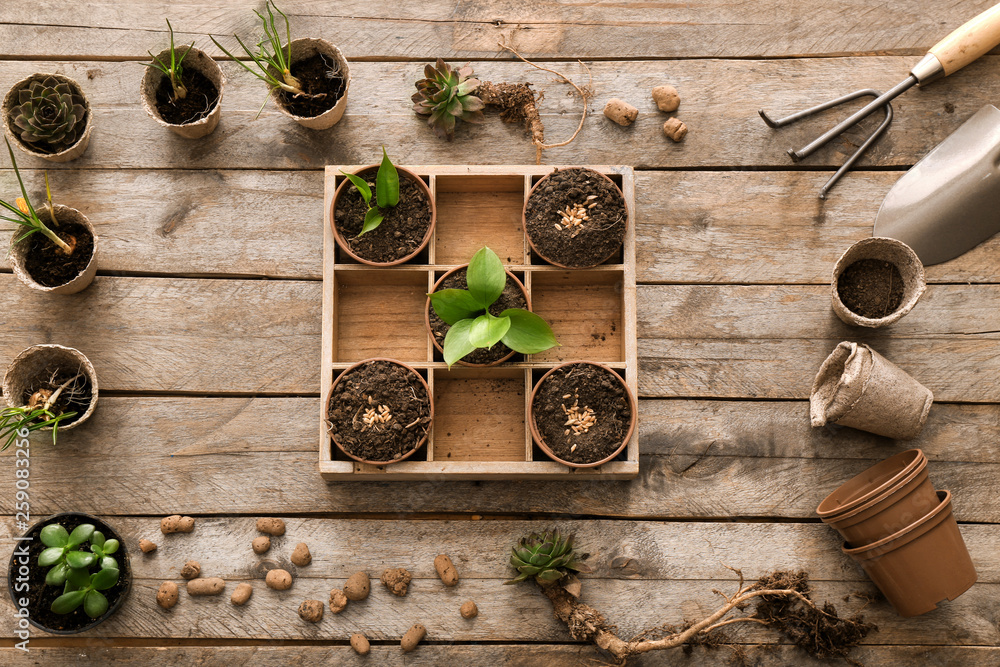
[966, 43]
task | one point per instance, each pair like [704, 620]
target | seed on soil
[675, 129]
[147, 546]
[311, 611]
[176, 523]
[358, 586]
[446, 569]
[279, 580]
[338, 601]
[360, 644]
[469, 609]
[261, 544]
[191, 570]
[241, 594]
[620, 111]
[666, 98]
[397, 579]
[275, 527]
[373, 418]
[301, 555]
[578, 420]
[167, 595]
[413, 637]
[206, 586]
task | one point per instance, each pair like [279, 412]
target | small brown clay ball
[206, 586]
[666, 98]
[279, 580]
[261, 544]
[191, 570]
[620, 111]
[397, 579]
[413, 637]
[358, 586]
[167, 595]
[360, 644]
[176, 523]
[338, 601]
[147, 546]
[469, 609]
[675, 129]
[275, 527]
[446, 570]
[301, 555]
[311, 610]
[241, 594]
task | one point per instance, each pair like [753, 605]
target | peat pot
[195, 60]
[28, 368]
[19, 254]
[63, 154]
[877, 255]
[303, 49]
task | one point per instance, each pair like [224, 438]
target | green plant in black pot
[82, 563]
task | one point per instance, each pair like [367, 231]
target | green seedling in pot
[474, 327]
[386, 192]
[174, 70]
[72, 567]
[26, 215]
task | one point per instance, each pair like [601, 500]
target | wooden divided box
[480, 428]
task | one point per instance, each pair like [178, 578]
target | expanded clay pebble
[397, 579]
[360, 644]
[176, 523]
[301, 555]
[358, 586]
[338, 601]
[206, 586]
[275, 527]
[469, 609]
[191, 570]
[279, 580]
[261, 544]
[311, 610]
[675, 129]
[666, 98]
[446, 570]
[621, 112]
[241, 594]
[413, 637]
[167, 596]
[147, 546]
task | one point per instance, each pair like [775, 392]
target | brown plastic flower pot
[37, 359]
[430, 331]
[18, 251]
[870, 484]
[890, 512]
[304, 48]
[888, 250]
[346, 247]
[10, 100]
[194, 60]
[922, 565]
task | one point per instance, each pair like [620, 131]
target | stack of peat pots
[903, 533]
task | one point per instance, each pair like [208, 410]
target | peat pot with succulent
[479, 314]
[379, 411]
[382, 215]
[47, 388]
[69, 572]
[182, 90]
[308, 78]
[48, 116]
[54, 247]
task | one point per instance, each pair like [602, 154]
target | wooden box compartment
[480, 426]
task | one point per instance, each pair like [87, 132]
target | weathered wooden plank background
[204, 325]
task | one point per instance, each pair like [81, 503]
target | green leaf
[51, 556]
[453, 305]
[67, 602]
[529, 570]
[54, 535]
[486, 277]
[95, 604]
[528, 333]
[387, 183]
[97, 540]
[109, 563]
[549, 575]
[111, 546]
[81, 534]
[487, 330]
[57, 575]
[361, 185]
[457, 343]
[104, 579]
[372, 220]
[80, 559]
[77, 579]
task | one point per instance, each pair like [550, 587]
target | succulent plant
[50, 115]
[547, 557]
[446, 96]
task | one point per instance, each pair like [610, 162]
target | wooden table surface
[204, 326]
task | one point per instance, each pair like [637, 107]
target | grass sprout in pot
[182, 90]
[379, 411]
[582, 414]
[47, 388]
[871, 483]
[383, 215]
[70, 574]
[858, 387]
[876, 282]
[575, 218]
[48, 116]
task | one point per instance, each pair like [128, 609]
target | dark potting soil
[371, 386]
[201, 98]
[584, 386]
[322, 82]
[576, 246]
[872, 288]
[403, 226]
[74, 398]
[511, 297]
[40, 596]
[45, 261]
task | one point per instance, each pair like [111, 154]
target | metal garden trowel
[949, 201]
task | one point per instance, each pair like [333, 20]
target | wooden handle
[965, 44]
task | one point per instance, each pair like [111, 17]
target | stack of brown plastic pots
[903, 533]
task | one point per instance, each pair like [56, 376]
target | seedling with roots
[174, 71]
[70, 566]
[38, 413]
[386, 192]
[26, 216]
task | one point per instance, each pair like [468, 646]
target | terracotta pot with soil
[858, 387]
[582, 414]
[379, 411]
[404, 231]
[876, 282]
[39, 371]
[26, 578]
[514, 295]
[197, 114]
[324, 75]
[922, 564]
[575, 218]
[40, 264]
[48, 116]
